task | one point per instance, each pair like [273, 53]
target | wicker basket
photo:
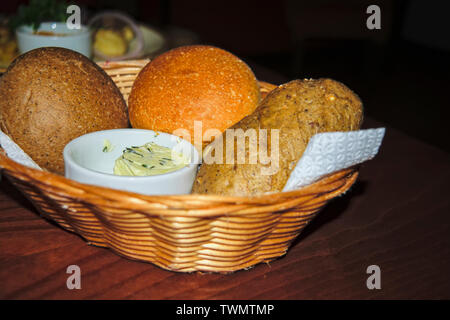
[182, 233]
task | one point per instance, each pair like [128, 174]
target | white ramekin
[86, 162]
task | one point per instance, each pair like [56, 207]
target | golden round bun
[193, 83]
[50, 96]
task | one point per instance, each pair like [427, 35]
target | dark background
[400, 71]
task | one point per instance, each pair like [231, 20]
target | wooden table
[397, 217]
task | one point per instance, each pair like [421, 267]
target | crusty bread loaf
[299, 109]
[193, 83]
[50, 96]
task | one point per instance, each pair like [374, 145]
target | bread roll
[298, 109]
[53, 95]
[193, 83]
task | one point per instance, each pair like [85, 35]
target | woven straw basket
[182, 233]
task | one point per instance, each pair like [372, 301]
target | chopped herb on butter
[149, 159]
[107, 146]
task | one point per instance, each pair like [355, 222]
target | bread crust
[53, 95]
[299, 109]
[193, 83]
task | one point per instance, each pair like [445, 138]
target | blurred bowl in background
[117, 37]
[113, 33]
[54, 34]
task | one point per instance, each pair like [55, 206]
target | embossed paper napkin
[15, 152]
[329, 152]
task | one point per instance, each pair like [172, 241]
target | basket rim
[115, 198]
[110, 66]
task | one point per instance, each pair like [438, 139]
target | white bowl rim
[81, 32]
[68, 157]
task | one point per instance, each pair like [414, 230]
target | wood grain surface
[397, 216]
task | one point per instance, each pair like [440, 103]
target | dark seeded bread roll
[299, 109]
[50, 96]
